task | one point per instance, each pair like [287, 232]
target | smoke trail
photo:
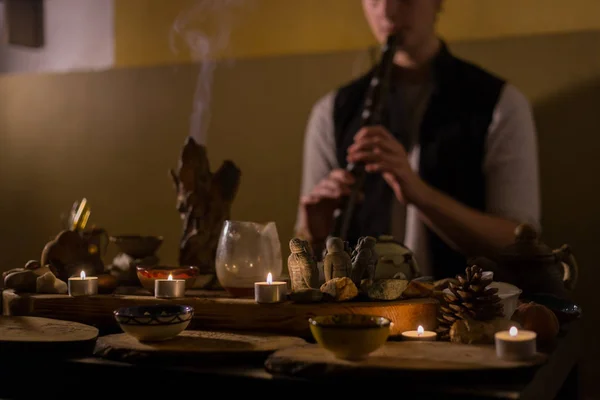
[205, 28]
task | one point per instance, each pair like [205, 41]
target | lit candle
[420, 335]
[169, 288]
[83, 285]
[515, 345]
[269, 291]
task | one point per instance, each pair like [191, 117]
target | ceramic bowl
[509, 295]
[350, 337]
[148, 274]
[137, 246]
[154, 323]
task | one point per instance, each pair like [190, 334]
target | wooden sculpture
[204, 202]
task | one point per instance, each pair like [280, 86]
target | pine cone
[470, 299]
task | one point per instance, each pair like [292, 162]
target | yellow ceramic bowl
[350, 337]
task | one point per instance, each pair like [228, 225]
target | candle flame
[82, 275]
[269, 278]
[170, 277]
[513, 331]
[420, 330]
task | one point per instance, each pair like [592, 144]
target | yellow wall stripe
[283, 27]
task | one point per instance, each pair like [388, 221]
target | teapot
[395, 260]
[533, 266]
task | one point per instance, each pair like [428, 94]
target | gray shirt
[510, 163]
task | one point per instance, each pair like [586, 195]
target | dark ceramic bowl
[564, 309]
[154, 323]
[148, 274]
[137, 246]
[350, 336]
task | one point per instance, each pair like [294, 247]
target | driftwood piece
[204, 202]
[394, 360]
[195, 347]
[32, 337]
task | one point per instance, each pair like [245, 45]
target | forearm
[469, 231]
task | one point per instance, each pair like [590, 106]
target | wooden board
[426, 358]
[197, 346]
[214, 311]
[29, 336]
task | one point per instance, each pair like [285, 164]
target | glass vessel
[246, 253]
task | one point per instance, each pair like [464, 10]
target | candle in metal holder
[83, 286]
[269, 291]
[169, 288]
[420, 335]
[515, 345]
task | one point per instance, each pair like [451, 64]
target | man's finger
[342, 176]
[364, 157]
[372, 131]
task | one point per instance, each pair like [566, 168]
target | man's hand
[382, 153]
[316, 209]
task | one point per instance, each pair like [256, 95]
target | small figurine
[337, 262]
[364, 259]
[302, 267]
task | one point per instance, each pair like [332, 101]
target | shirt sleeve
[511, 160]
[319, 153]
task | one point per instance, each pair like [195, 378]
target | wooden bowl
[148, 274]
[350, 336]
[137, 246]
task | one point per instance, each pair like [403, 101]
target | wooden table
[557, 378]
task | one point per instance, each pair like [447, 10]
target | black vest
[452, 145]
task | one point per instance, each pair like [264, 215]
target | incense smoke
[205, 28]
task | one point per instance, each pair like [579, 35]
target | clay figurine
[364, 260]
[337, 262]
[302, 267]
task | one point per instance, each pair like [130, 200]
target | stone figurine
[337, 262]
[302, 267]
[364, 260]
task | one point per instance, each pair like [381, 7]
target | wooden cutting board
[194, 346]
[33, 336]
[394, 358]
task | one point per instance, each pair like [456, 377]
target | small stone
[22, 281]
[387, 289]
[42, 270]
[307, 296]
[417, 289]
[341, 289]
[49, 283]
[32, 265]
[10, 271]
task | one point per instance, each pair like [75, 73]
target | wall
[112, 135]
[285, 27]
[79, 35]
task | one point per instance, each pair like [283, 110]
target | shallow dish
[153, 323]
[148, 274]
[350, 336]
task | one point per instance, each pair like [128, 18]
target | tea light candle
[515, 345]
[169, 288]
[420, 335]
[269, 291]
[83, 286]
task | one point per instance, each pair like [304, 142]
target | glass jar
[246, 253]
